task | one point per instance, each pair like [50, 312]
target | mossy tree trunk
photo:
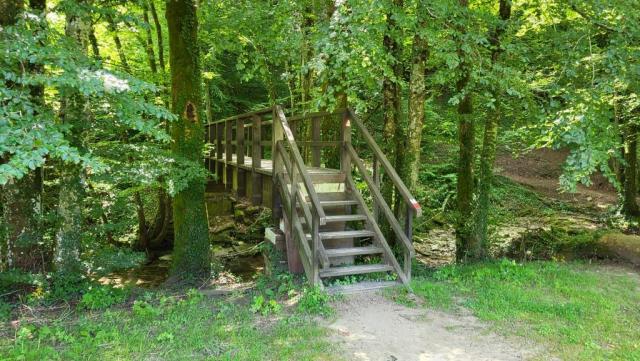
[417, 96]
[630, 191]
[466, 141]
[191, 259]
[489, 143]
[391, 93]
[76, 114]
[21, 200]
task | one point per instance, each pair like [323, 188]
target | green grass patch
[581, 311]
[170, 328]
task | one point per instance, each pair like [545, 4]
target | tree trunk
[391, 93]
[151, 57]
[74, 113]
[191, 257]
[116, 39]
[630, 205]
[158, 26]
[489, 144]
[95, 48]
[466, 131]
[417, 96]
[22, 203]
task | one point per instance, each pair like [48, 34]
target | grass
[580, 311]
[169, 328]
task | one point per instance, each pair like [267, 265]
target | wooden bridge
[304, 167]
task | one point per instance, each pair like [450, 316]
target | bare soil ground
[541, 169]
[370, 327]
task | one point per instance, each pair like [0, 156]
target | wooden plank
[347, 234]
[299, 117]
[316, 150]
[377, 197]
[219, 152]
[389, 256]
[277, 135]
[244, 115]
[240, 150]
[354, 270]
[256, 160]
[229, 155]
[393, 175]
[346, 218]
[345, 130]
[354, 251]
[338, 203]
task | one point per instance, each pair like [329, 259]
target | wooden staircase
[334, 229]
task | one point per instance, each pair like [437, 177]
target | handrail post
[377, 179]
[219, 151]
[228, 155]
[240, 150]
[277, 135]
[315, 247]
[408, 229]
[345, 130]
[256, 160]
[315, 137]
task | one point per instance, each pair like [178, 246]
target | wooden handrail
[299, 163]
[377, 197]
[314, 114]
[393, 175]
[244, 115]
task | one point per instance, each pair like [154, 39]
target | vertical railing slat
[240, 150]
[256, 160]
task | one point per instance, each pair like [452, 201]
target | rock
[241, 206]
[437, 248]
[253, 210]
[238, 213]
[224, 225]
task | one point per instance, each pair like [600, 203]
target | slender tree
[466, 142]
[191, 242]
[417, 97]
[391, 92]
[75, 114]
[490, 140]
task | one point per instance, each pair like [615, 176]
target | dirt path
[370, 327]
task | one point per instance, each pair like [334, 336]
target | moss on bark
[191, 238]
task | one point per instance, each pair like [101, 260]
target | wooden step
[344, 234]
[320, 178]
[354, 270]
[353, 251]
[347, 234]
[346, 218]
[340, 203]
[360, 287]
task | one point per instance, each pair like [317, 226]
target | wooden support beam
[240, 150]
[219, 152]
[256, 159]
[228, 154]
[316, 151]
[277, 135]
[345, 130]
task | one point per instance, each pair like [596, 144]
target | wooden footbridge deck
[304, 167]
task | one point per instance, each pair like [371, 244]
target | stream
[236, 268]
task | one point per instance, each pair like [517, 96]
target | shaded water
[243, 267]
